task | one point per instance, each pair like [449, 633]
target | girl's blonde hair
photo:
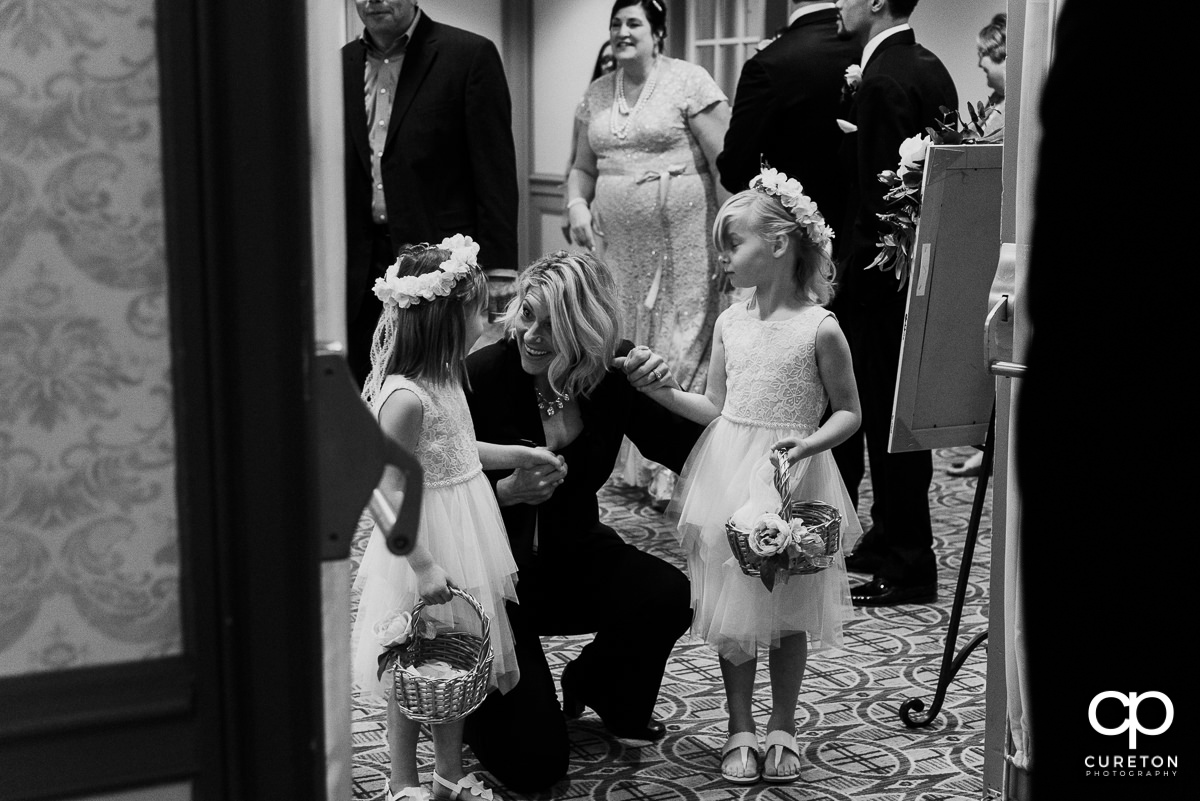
[768, 218]
[579, 295]
[427, 339]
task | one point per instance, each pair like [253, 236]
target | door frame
[238, 714]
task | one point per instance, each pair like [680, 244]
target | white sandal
[784, 742]
[746, 743]
[467, 787]
[417, 793]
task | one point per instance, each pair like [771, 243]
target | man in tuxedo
[903, 86]
[786, 107]
[429, 151]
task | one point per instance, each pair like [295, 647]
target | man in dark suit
[903, 86]
[786, 107]
[429, 151]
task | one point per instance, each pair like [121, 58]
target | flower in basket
[394, 632]
[771, 535]
[806, 543]
[771, 541]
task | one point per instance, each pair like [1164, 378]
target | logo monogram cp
[1131, 723]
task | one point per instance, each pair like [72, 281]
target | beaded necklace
[621, 130]
[547, 406]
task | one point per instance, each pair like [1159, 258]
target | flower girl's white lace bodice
[446, 447]
[771, 369]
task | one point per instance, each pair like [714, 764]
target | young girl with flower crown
[778, 360]
[435, 302]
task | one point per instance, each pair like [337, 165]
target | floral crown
[770, 181]
[412, 289]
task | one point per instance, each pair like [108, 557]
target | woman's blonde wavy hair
[579, 295]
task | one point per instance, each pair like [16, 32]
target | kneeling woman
[554, 382]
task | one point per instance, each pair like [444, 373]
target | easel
[950, 662]
[945, 387]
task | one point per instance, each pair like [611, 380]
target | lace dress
[773, 390]
[461, 526]
[655, 202]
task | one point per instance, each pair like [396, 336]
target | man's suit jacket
[786, 110]
[449, 164]
[903, 87]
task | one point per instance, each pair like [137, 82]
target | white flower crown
[771, 181]
[412, 289]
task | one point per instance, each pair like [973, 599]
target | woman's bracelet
[575, 201]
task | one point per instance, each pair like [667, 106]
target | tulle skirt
[461, 526]
[734, 612]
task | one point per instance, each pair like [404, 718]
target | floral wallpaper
[89, 563]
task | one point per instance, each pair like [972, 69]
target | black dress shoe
[880, 592]
[573, 707]
[654, 730]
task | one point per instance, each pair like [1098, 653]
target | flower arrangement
[791, 194]
[412, 289]
[395, 632]
[903, 193]
[782, 545]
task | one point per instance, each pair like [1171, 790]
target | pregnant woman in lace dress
[643, 195]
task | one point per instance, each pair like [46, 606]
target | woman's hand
[795, 447]
[646, 370]
[531, 485]
[540, 457]
[580, 219]
[433, 585]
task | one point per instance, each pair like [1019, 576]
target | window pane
[727, 17]
[704, 57]
[703, 12]
[729, 68]
[756, 19]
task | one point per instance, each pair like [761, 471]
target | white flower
[912, 151]
[791, 195]
[768, 179]
[462, 249]
[771, 535]
[394, 629]
[412, 289]
[853, 76]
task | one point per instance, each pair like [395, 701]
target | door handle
[351, 454]
[998, 326]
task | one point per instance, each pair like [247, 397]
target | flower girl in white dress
[434, 307]
[778, 360]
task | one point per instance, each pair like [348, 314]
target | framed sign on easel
[944, 392]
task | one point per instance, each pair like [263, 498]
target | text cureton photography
[1101, 712]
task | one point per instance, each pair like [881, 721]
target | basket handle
[485, 622]
[781, 483]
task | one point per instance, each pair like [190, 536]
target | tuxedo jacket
[903, 87]
[786, 109]
[449, 164]
[504, 410]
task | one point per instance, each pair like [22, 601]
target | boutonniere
[853, 80]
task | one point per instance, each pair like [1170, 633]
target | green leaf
[767, 576]
[974, 116]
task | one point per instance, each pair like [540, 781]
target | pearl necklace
[547, 406]
[620, 130]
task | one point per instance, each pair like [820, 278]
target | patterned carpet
[852, 741]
